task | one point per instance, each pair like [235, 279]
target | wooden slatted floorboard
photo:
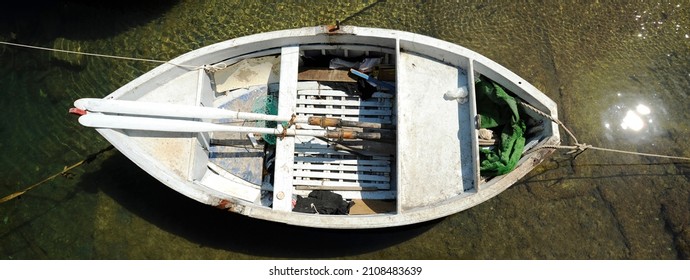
[319, 166]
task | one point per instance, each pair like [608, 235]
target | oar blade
[96, 120]
[141, 108]
[152, 109]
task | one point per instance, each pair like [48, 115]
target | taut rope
[98, 55]
[581, 147]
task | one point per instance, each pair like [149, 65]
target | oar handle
[348, 134]
[338, 122]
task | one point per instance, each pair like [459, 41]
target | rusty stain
[230, 206]
[223, 204]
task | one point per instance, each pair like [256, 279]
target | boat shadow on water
[144, 196]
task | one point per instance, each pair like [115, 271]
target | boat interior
[361, 171]
[429, 152]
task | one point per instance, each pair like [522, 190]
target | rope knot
[579, 148]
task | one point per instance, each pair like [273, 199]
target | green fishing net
[499, 112]
[267, 104]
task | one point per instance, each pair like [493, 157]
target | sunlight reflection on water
[632, 119]
[654, 20]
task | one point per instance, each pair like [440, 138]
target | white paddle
[97, 120]
[197, 112]
[170, 110]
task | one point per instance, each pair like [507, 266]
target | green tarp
[498, 111]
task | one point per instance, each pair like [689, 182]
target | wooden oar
[97, 120]
[197, 112]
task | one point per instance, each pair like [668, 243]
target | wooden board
[371, 206]
[324, 75]
[434, 134]
[337, 75]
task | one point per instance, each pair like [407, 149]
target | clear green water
[596, 60]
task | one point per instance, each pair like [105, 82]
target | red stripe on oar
[77, 111]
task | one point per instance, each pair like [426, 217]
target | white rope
[98, 55]
[216, 67]
[578, 148]
[312, 206]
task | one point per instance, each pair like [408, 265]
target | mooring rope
[100, 55]
[88, 159]
[581, 147]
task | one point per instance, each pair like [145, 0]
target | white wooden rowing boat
[420, 159]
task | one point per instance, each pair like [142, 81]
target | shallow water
[599, 62]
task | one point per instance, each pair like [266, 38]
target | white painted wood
[401, 190]
[344, 112]
[198, 157]
[343, 167]
[229, 188]
[330, 152]
[298, 182]
[285, 146]
[474, 127]
[430, 172]
[175, 151]
[341, 161]
[331, 166]
[340, 102]
[337, 103]
[314, 174]
[304, 150]
[356, 194]
[205, 96]
[346, 47]
[204, 91]
[336, 93]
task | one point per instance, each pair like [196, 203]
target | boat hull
[433, 173]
